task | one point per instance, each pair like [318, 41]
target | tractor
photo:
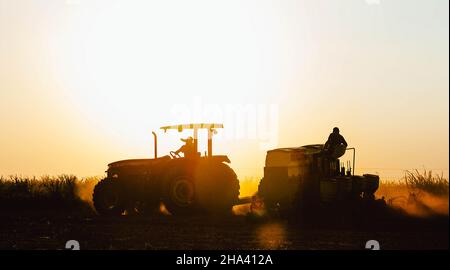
[185, 185]
[306, 181]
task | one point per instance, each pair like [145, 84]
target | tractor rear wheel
[216, 187]
[211, 187]
[179, 193]
[107, 199]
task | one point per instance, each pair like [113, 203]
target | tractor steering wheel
[174, 155]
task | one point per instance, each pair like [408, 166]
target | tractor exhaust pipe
[155, 143]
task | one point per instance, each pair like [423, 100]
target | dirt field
[167, 232]
[45, 213]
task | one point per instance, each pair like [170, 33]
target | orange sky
[83, 83]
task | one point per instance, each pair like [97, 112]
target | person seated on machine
[335, 145]
[188, 149]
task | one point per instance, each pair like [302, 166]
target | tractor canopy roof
[193, 126]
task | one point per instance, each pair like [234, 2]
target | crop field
[45, 212]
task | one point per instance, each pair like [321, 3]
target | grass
[46, 187]
[67, 192]
[426, 181]
[420, 194]
[415, 182]
[47, 193]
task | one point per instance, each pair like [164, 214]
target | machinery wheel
[216, 186]
[107, 199]
[278, 196]
[179, 193]
[270, 203]
[212, 187]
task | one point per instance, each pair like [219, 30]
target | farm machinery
[307, 181]
[296, 180]
[185, 185]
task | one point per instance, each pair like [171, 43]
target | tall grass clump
[420, 194]
[47, 193]
[433, 184]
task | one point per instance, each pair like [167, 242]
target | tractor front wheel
[107, 199]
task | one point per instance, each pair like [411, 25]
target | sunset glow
[84, 83]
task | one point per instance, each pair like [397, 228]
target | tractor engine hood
[135, 162]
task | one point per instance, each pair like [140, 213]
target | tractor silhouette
[185, 185]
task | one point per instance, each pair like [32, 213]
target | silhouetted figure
[334, 140]
[188, 148]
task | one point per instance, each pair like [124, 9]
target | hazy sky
[83, 83]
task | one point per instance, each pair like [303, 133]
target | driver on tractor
[187, 149]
